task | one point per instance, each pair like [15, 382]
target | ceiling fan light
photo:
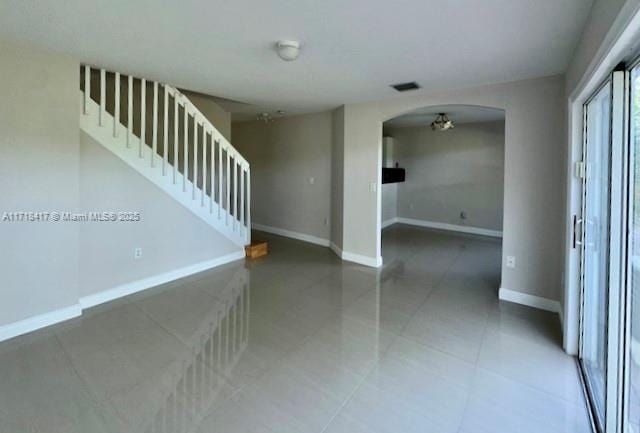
[442, 123]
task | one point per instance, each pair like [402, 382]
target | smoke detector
[288, 50]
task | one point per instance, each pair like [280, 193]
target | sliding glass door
[605, 244]
[632, 346]
[595, 247]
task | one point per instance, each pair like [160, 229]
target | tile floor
[300, 342]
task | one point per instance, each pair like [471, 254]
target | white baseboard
[448, 227]
[389, 222]
[291, 234]
[344, 255]
[336, 249]
[40, 321]
[374, 262]
[155, 280]
[356, 258]
[51, 318]
[529, 300]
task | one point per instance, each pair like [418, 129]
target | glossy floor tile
[301, 342]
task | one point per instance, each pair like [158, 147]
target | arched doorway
[450, 180]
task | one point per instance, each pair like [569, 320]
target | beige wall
[284, 155]
[389, 202]
[39, 172]
[603, 14]
[534, 174]
[461, 170]
[170, 236]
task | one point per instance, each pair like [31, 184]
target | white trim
[51, 318]
[529, 300]
[40, 321]
[374, 262]
[362, 260]
[336, 249]
[389, 222]
[449, 227]
[291, 234]
[356, 258]
[155, 280]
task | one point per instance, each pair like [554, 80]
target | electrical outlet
[137, 253]
[411, 206]
[326, 221]
[312, 180]
[463, 215]
[511, 262]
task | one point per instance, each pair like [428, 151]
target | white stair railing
[183, 145]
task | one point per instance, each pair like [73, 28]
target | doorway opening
[442, 190]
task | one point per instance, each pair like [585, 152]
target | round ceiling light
[288, 50]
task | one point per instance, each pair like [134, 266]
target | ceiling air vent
[404, 87]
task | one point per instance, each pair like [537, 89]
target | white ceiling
[457, 113]
[352, 50]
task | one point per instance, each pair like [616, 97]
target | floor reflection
[218, 344]
[302, 342]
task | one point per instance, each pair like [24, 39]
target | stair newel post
[143, 117]
[154, 138]
[175, 138]
[248, 204]
[87, 88]
[228, 182]
[241, 198]
[185, 158]
[129, 109]
[219, 179]
[116, 107]
[195, 157]
[165, 132]
[103, 97]
[205, 180]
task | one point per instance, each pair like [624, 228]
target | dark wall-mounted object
[392, 175]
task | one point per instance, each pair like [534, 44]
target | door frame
[617, 290]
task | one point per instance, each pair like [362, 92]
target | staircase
[158, 131]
